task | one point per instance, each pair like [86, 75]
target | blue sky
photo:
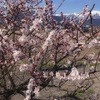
[76, 6]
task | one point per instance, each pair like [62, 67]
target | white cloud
[94, 12]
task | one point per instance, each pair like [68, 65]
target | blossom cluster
[48, 40]
[74, 75]
[31, 85]
[31, 39]
[17, 54]
[25, 67]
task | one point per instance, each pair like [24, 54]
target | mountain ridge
[77, 17]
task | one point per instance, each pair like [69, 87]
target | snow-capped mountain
[95, 15]
[76, 16]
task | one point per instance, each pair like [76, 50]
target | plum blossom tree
[33, 43]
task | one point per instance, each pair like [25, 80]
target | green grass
[93, 64]
[81, 94]
[89, 92]
[48, 65]
[62, 63]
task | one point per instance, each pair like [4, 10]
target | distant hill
[95, 15]
[96, 22]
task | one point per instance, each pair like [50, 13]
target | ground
[53, 92]
[49, 93]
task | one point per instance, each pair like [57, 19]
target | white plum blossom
[72, 45]
[25, 67]
[17, 54]
[32, 42]
[23, 39]
[45, 74]
[91, 56]
[2, 30]
[69, 62]
[64, 76]
[51, 74]
[74, 74]
[31, 81]
[48, 40]
[91, 68]
[36, 91]
[39, 11]
[29, 89]
[84, 76]
[35, 23]
[58, 75]
[5, 37]
[28, 93]
[92, 43]
[30, 86]
[22, 30]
